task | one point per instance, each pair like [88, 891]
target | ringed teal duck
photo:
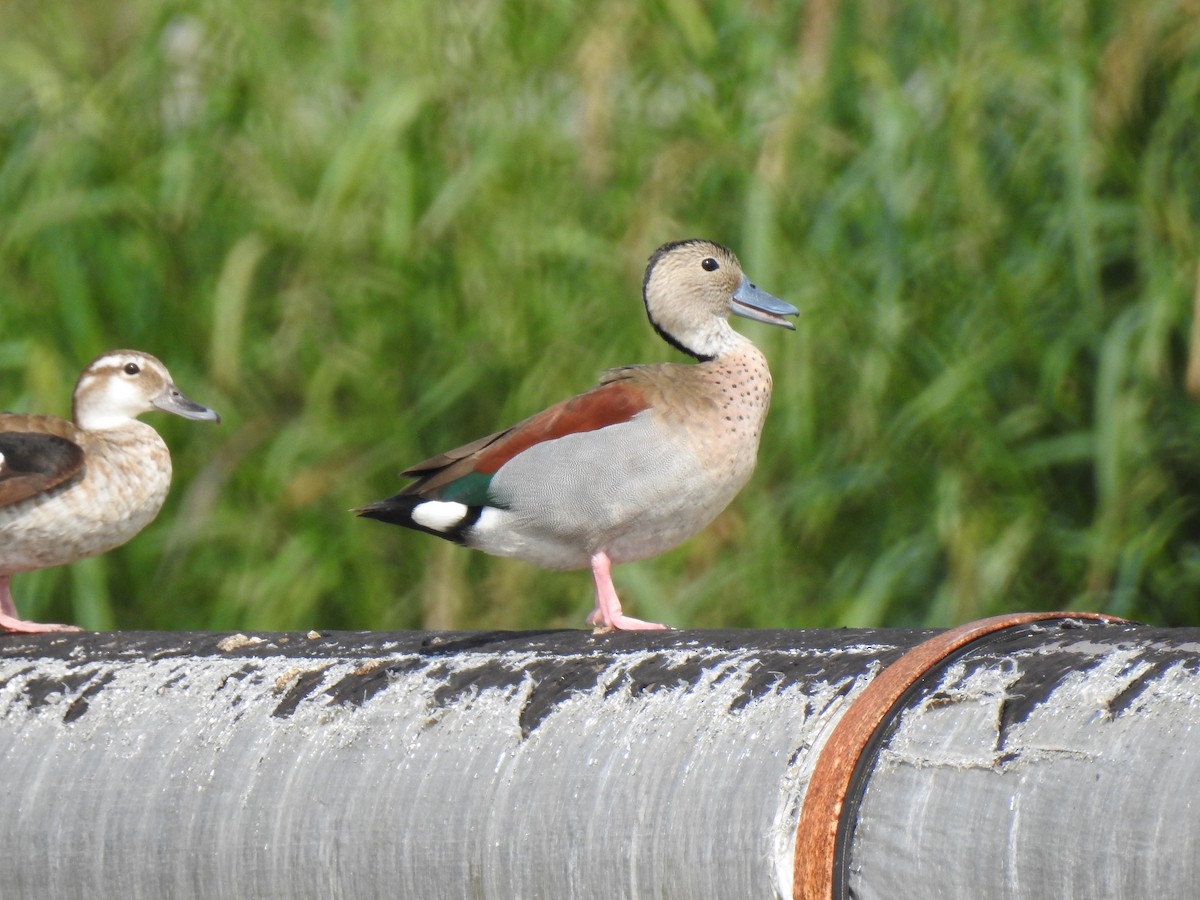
[630, 468]
[69, 490]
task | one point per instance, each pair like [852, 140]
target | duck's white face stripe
[439, 515]
[108, 369]
[110, 366]
[108, 397]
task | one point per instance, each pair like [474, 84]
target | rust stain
[817, 862]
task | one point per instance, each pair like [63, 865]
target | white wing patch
[439, 515]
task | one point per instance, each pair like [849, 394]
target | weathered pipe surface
[494, 765]
[1043, 763]
[1054, 760]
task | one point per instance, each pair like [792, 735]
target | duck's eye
[131, 368]
[708, 264]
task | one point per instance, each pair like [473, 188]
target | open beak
[751, 302]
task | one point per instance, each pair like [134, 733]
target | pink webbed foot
[11, 622]
[622, 623]
[607, 615]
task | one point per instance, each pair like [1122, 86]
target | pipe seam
[839, 777]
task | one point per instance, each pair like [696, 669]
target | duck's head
[690, 289]
[121, 385]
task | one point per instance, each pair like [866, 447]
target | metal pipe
[1043, 763]
[561, 764]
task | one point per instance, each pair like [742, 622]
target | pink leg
[607, 615]
[9, 621]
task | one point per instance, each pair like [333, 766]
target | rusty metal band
[825, 819]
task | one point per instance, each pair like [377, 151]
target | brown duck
[69, 490]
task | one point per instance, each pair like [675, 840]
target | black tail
[398, 510]
[394, 510]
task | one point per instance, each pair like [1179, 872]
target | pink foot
[10, 621]
[24, 626]
[607, 615]
[623, 622]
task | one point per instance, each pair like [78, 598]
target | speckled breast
[122, 488]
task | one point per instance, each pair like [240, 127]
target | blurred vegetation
[369, 231]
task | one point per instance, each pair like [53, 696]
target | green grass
[366, 232]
